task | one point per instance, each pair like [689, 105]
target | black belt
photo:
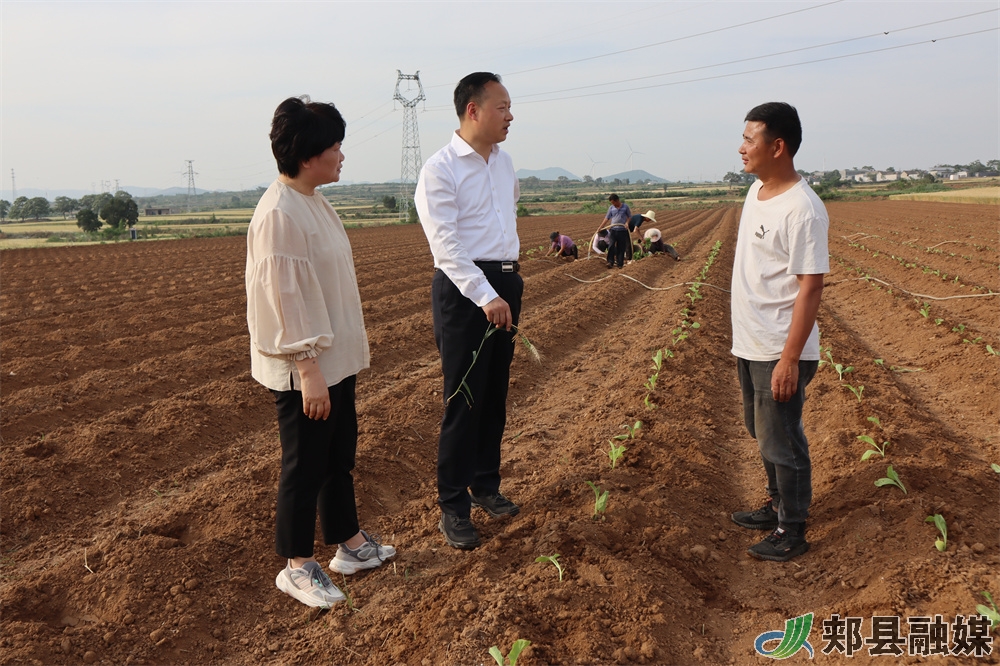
[502, 266]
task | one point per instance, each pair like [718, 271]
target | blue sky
[127, 91]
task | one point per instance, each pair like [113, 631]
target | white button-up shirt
[468, 209]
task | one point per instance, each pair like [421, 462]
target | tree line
[118, 210]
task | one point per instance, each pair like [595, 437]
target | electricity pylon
[411, 161]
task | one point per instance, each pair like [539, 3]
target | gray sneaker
[309, 585]
[368, 555]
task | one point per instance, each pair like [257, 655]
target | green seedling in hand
[515, 652]
[938, 520]
[600, 499]
[463, 387]
[615, 453]
[989, 611]
[841, 370]
[857, 391]
[875, 447]
[554, 559]
[891, 479]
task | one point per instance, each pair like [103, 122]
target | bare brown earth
[140, 460]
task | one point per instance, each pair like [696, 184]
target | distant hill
[551, 173]
[635, 176]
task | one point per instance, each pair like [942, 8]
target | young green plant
[938, 520]
[515, 651]
[875, 448]
[631, 431]
[615, 452]
[841, 370]
[891, 479]
[554, 559]
[856, 390]
[600, 499]
[989, 611]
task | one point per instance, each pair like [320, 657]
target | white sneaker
[368, 555]
[310, 585]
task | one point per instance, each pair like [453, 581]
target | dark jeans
[469, 444]
[317, 458]
[619, 244]
[777, 426]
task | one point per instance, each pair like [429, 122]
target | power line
[762, 69]
[675, 39]
[760, 57]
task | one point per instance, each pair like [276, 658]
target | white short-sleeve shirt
[778, 239]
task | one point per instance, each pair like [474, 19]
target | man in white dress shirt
[466, 198]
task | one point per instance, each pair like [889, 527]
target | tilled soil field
[140, 460]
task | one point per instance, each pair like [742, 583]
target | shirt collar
[462, 148]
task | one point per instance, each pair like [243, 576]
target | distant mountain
[635, 176]
[551, 173]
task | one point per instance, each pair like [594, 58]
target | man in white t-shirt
[781, 258]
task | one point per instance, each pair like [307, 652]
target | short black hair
[614, 197]
[554, 235]
[781, 121]
[472, 88]
[302, 129]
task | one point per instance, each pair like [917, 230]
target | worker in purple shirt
[616, 221]
[563, 246]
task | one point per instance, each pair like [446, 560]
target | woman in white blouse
[307, 344]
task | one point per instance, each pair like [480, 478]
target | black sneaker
[780, 545]
[497, 505]
[459, 532]
[764, 518]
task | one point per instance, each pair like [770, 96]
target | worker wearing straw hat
[656, 244]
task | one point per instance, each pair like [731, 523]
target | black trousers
[469, 444]
[317, 458]
[619, 245]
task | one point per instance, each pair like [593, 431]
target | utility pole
[13, 187]
[411, 161]
[191, 189]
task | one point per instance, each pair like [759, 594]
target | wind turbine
[593, 165]
[630, 154]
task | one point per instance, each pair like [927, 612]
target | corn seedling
[891, 479]
[600, 499]
[875, 447]
[989, 611]
[554, 559]
[856, 390]
[463, 387]
[938, 520]
[515, 652]
[630, 431]
[615, 452]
